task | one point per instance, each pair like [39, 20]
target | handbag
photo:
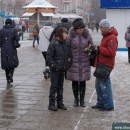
[16, 44]
[102, 71]
[92, 55]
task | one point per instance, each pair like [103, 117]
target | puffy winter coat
[9, 58]
[80, 68]
[127, 42]
[59, 55]
[108, 48]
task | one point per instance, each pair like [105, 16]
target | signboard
[30, 10]
[45, 10]
[115, 4]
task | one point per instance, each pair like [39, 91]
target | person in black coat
[59, 59]
[64, 23]
[9, 57]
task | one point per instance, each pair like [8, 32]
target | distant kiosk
[38, 12]
[118, 13]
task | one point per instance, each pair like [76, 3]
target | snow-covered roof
[73, 16]
[27, 14]
[40, 4]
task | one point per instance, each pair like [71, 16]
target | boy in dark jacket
[59, 58]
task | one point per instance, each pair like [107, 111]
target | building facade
[79, 7]
[117, 12]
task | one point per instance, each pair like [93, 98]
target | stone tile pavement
[25, 105]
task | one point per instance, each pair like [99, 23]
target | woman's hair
[8, 21]
[59, 33]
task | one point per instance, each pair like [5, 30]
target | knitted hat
[104, 23]
[8, 21]
[78, 23]
[64, 20]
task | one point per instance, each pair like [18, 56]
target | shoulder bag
[102, 71]
[15, 42]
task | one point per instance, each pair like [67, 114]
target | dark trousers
[21, 35]
[44, 55]
[129, 54]
[9, 73]
[36, 38]
[57, 80]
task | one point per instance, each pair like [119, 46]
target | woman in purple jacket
[127, 38]
[79, 71]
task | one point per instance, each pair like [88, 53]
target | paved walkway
[25, 105]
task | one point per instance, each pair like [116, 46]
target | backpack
[127, 37]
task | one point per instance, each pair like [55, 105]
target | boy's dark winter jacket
[59, 55]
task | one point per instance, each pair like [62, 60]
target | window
[66, 7]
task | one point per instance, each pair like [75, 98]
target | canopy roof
[72, 16]
[39, 4]
[27, 14]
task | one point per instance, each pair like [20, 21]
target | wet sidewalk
[25, 105]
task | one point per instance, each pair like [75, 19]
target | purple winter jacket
[127, 42]
[80, 69]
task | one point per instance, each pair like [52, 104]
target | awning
[56, 16]
[72, 16]
[47, 14]
[28, 14]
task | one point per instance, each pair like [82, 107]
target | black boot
[76, 93]
[82, 94]
[60, 105]
[52, 106]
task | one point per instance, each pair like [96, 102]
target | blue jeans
[36, 38]
[104, 93]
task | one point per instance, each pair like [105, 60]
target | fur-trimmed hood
[73, 33]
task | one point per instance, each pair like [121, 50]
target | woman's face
[80, 30]
[65, 35]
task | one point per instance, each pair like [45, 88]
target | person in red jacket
[107, 52]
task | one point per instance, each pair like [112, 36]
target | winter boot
[82, 94]
[60, 105]
[76, 93]
[52, 106]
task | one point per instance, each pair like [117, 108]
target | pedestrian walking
[44, 36]
[35, 33]
[97, 26]
[20, 32]
[127, 38]
[107, 52]
[9, 57]
[80, 70]
[26, 23]
[59, 58]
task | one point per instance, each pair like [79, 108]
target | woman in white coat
[44, 36]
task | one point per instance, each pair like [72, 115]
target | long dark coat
[80, 68]
[9, 57]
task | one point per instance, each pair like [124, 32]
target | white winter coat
[43, 41]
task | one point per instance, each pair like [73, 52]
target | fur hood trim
[73, 33]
